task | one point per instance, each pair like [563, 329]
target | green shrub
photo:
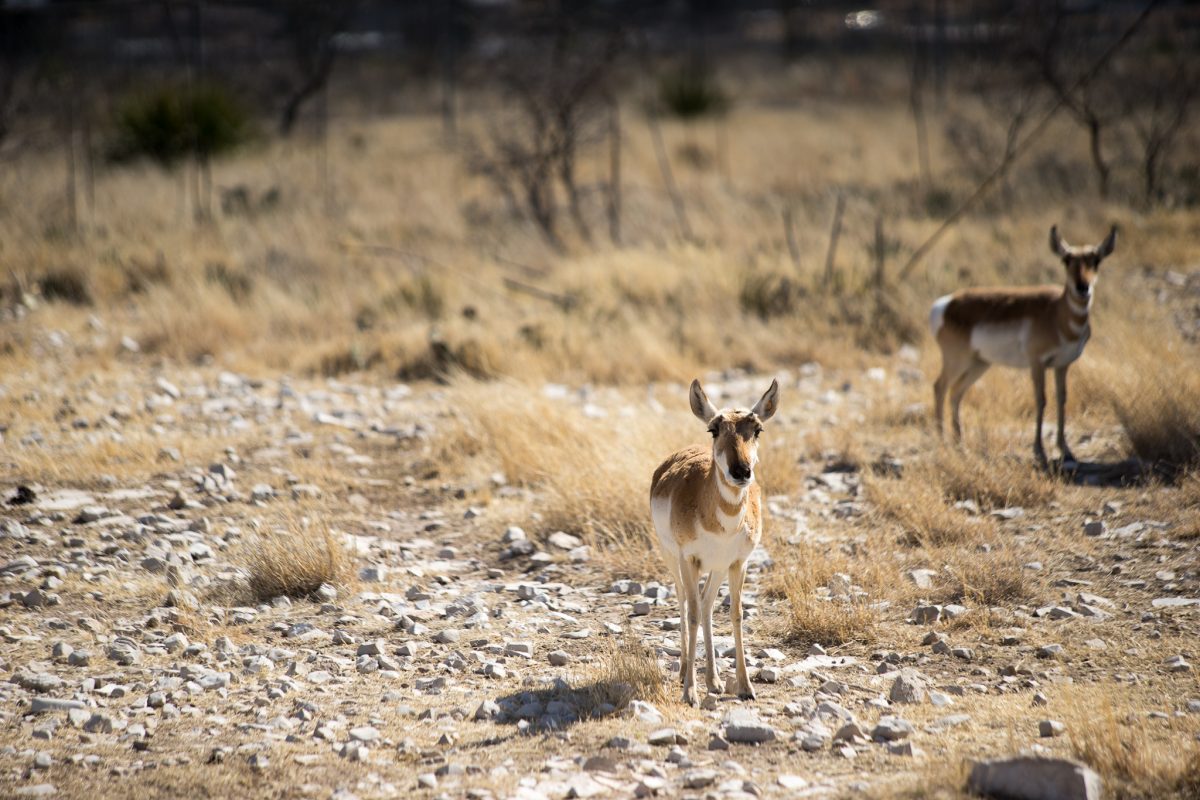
[689, 93]
[172, 122]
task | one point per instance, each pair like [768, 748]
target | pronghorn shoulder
[681, 468]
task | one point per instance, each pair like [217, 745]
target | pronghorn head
[735, 432]
[1082, 263]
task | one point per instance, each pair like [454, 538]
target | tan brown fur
[707, 512]
[686, 476]
[1045, 326]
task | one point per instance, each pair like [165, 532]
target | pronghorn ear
[1057, 245]
[1109, 243]
[765, 408]
[700, 405]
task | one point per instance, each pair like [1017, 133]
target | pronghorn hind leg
[737, 575]
[964, 381]
[1060, 398]
[939, 396]
[690, 573]
[712, 585]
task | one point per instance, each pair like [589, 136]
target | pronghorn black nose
[1083, 288]
[740, 472]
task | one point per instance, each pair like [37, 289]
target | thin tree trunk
[71, 194]
[789, 235]
[614, 172]
[1098, 162]
[835, 232]
[664, 166]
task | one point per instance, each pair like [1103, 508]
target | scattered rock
[1034, 778]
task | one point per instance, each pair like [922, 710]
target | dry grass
[295, 561]
[813, 616]
[593, 474]
[1159, 413]
[628, 670]
[919, 509]
[1138, 758]
[978, 578]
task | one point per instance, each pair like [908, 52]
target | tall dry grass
[1136, 758]
[592, 474]
[296, 560]
[800, 574]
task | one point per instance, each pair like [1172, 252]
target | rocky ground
[469, 654]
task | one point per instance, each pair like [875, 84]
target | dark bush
[690, 93]
[171, 122]
[68, 285]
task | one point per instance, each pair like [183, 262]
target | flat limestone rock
[1033, 778]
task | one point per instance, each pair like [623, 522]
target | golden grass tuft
[294, 562]
[989, 479]
[1136, 758]
[1159, 414]
[628, 671]
[813, 618]
[981, 579]
[918, 507]
[593, 474]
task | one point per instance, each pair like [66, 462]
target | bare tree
[310, 28]
[558, 95]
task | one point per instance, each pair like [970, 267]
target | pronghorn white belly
[660, 513]
[1002, 342]
[714, 550]
[718, 551]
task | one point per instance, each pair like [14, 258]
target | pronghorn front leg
[711, 585]
[737, 574]
[1060, 396]
[1038, 373]
[691, 584]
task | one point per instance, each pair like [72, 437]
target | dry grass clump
[989, 479]
[593, 472]
[1159, 412]
[981, 579]
[294, 562]
[1136, 758]
[814, 616]
[628, 671]
[917, 506]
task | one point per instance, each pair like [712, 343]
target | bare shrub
[295, 561]
[68, 285]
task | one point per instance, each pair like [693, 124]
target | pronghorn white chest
[732, 540]
[1068, 350]
[1004, 343]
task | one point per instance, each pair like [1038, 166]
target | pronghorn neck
[731, 500]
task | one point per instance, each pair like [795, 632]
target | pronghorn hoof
[689, 697]
[746, 694]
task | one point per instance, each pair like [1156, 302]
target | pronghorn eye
[714, 431]
[757, 431]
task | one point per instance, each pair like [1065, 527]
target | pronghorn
[1033, 327]
[707, 510]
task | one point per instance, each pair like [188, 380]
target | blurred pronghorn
[1036, 327]
[707, 510]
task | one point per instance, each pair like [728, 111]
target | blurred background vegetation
[614, 190]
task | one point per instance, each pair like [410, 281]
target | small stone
[1051, 727]
[743, 725]
[1095, 527]
[909, 687]
[558, 658]
[891, 729]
